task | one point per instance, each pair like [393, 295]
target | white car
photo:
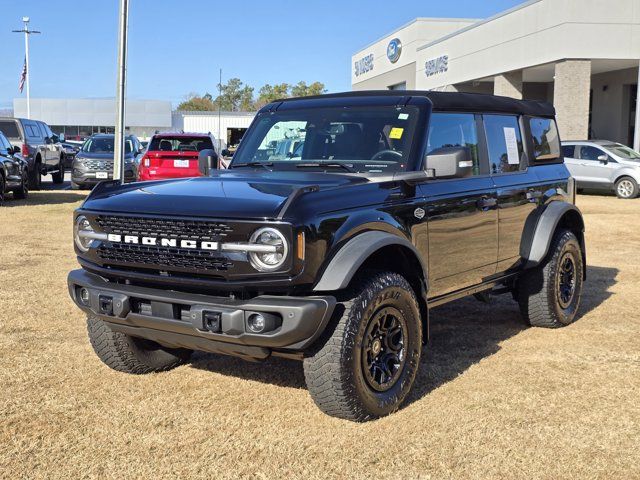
[603, 165]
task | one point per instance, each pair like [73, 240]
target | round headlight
[275, 257]
[80, 229]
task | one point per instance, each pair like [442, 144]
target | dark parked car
[39, 146]
[395, 203]
[13, 171]
[70, 152]
[94, 161]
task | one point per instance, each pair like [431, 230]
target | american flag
[23, 76]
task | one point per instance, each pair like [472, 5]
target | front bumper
[175, 319]
[89, 177]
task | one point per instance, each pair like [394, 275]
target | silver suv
[603, 165]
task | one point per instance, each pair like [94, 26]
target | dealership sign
[436, 65]
[364, 65]
[394, 49]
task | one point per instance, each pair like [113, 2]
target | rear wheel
[23, 190]
[549, 295]
[130, 354]
[58, 177]
[366, 366]
[2, 187]
[34, 175]
[626, 188]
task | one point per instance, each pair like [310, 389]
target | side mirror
[603, 159]
[13, 150]
[454, 162]
[207, 161]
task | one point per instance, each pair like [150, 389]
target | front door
[594, 172]
[461, 213]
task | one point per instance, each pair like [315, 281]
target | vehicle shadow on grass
[462, 334]
[45, 197]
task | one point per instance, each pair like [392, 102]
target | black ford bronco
[340, 222]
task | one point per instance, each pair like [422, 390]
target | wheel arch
[540, 229]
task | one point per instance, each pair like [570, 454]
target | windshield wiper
[266, 165]
[325, 165]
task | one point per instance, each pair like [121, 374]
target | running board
[482, 287]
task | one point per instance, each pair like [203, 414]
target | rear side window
[454, 130]
[546, 144]
[504, 143]
[568, 151]
[10, 129]
[180, 144]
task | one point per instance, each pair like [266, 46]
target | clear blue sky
[177, 47]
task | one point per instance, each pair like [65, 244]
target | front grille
[166, 228]
[100, 165]
[164, 258]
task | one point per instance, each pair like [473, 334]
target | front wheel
[128, 354]
[549, 295]
[366, 366]
[22, 191]
[626, 188]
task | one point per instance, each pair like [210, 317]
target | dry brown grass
[493, 399]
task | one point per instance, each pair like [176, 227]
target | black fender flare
[540, 227]
[346, 262]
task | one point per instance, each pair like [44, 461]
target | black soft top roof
[449, 101]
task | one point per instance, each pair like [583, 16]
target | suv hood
[228, 194]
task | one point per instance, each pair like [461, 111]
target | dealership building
[581, 55]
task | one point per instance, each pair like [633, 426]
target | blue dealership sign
[394, 49]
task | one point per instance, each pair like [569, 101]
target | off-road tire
[35, 179]
[58, 177]
[538, 290]
[129, 354]
[22, 191]
[334, 372]
[630, 192]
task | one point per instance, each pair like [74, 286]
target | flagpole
[27, 32]
[119, 151]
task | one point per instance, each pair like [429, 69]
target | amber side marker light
[300, 246]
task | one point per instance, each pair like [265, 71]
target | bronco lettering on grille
[162, 242]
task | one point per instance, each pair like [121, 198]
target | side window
[587, 152]
[504, 143]
[4, 144]
[454, 130]
[43, 130]
[568, 151]
[546, 144]
[32, 131]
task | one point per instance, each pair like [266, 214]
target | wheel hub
[566, 284]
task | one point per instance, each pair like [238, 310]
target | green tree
[193, 102]
[234, 96]
[269, 93]
[301, 89]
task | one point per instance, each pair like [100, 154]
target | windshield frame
[422, 108]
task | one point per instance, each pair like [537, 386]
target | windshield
[105, 145]
[180, 144]
[622, 151]
[373, 139]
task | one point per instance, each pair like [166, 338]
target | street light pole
[27, 32]
[119, 151]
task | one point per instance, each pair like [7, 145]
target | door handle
[486, 203]
[534, 195]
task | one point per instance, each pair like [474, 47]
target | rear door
[572, 161]
[462, 213]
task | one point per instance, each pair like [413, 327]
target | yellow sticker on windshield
[396, 133]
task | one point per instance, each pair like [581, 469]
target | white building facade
[581, 55]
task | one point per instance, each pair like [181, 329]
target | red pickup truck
[174, 155]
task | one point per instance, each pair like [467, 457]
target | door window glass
[546, 144]
[454, 130]
[568, 151]
[588, 152]
[504, 143]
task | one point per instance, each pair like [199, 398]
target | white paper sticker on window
[403, 116]
[512, 146]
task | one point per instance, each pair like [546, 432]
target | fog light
[106, 304]
[256, 323]
[85, 298]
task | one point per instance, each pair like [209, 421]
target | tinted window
[43, 130]
[454, 130]
[587, 152]
[504, 143]
[32, 131]
[168, 143]
[546, 144]
[568, 151]
[9, 128]
[105, 145]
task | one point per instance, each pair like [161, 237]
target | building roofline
[213, 112]
[418, 19]
[477, 24]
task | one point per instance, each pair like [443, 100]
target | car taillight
[25, 150]
[146, 161]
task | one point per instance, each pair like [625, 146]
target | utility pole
[27, 32]
[219, 115]
[119, 151]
